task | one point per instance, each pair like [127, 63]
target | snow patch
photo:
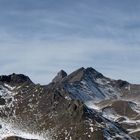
[9, 87]
[90, 104]
[8, 130]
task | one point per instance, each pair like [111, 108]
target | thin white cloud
[41, 60]
[40, 38]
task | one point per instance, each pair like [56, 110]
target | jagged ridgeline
[84, 105]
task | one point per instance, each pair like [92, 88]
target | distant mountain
[84, 105]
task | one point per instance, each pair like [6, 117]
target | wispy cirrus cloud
[39, 38]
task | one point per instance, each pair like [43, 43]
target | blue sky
[40, 37]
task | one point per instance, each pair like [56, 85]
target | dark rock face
[121, 83]
[59, 76]
[56, 108]
[15, 78]
[93, 72]
[75, 76]
[2, 101]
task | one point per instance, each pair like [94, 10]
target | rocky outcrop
[15, 79]
[2, 101]
[60, 75]
[60, 108]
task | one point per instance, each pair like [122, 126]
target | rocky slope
[84, 105]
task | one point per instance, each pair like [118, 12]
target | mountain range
[83, 105]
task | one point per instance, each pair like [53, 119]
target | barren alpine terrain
[84, 105]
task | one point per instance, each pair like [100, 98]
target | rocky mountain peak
[83, 73]
[15, 78]
[92, 72]
[75, 76]
[60, 75]
[94, 107]
[120, 83]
